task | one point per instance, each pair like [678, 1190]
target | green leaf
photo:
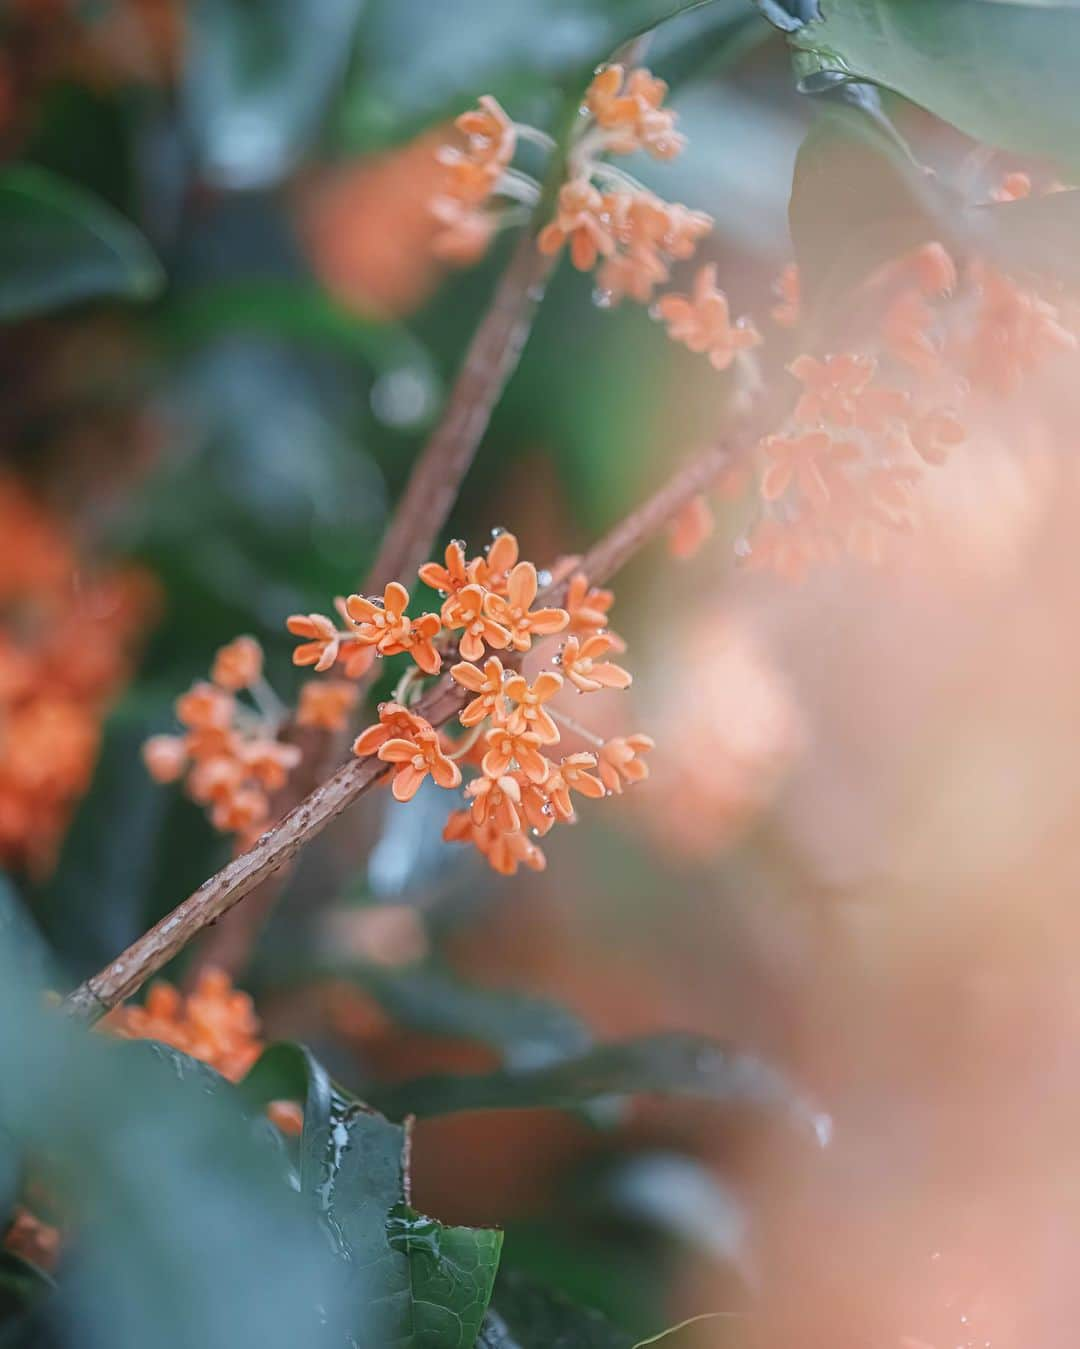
[524, 1316]
[1002, 72]
[858, 200]
[525, 1031]
[671, 1064]
[290, 1072]
[421, 1285]
[451, 1275]
[59, 245]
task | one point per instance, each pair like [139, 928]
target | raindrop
[458, 543]
[654, 311]
[497, 531]
[380, 708]
[557, 658]
[742, 549]
[544, 577]
[547, 808]
[603, 299]
[402, 397]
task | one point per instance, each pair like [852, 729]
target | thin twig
[216, 896]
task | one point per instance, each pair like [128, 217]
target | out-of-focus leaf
[527, 1032]
[59, 245]
[451, 1275]
[298, 312]
[1004, 72]
[188, 1231]
[258, 80]
[669, 1064]
[524, 1316]
[858, 200]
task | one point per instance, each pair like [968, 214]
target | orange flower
[584, 217]
[215, 1023]
[490, 132]
[905, 330]
[702, 321]
[530, 713]
[466, 610]
[631, 107]
[1013, 187]
[513, 611]
[487, 684]
[831, 387]
[875, 409]
[492, 570]
[165, 757]
[324, 640]
[415, 758]
[205, 707]
[572, 774]
[799, 459]
[466, 232]
[385, 626]
[452, 577]
[580, 662]
[788, 289]
[395, 722]
[505, 746]
[934, 269]
[935, 433]
[238, 665]
[269, 762]
[620, 761]
[495, 800]
[588, 609]
[215, 779]
[690, 528]
[326, 704]
[241, 811]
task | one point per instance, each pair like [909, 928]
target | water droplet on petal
[544, 577]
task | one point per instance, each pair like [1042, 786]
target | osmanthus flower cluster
[604, 217]
[229, 752]
[841, 475]
[518, 788]
[54, 691]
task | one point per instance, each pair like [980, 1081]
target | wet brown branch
[217, 896]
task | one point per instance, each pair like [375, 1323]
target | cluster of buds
[492, 603]
[229, 753]
[54, 692]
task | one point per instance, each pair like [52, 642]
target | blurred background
[858, 851]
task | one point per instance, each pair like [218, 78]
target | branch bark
[218, 895]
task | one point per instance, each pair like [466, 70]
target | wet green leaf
[451, 1274]
[1004, 73]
